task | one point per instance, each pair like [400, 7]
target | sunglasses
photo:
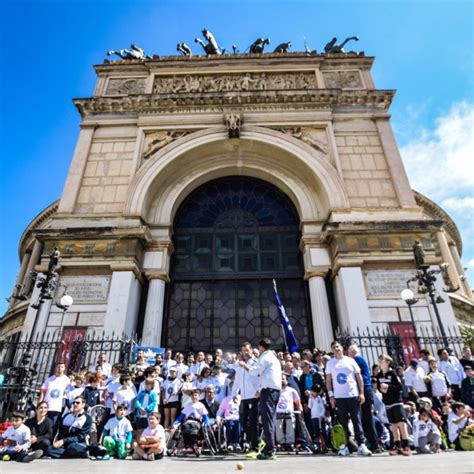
[77, 403]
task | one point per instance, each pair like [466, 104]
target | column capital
[156, 275]
[316, 272]
[161, 245]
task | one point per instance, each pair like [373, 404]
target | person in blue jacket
[145, 404]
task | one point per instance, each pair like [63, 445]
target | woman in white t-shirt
[170, 395]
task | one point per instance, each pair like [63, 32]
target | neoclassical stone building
[197, 180]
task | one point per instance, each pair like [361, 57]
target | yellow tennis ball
[6, 457]
[240, 466]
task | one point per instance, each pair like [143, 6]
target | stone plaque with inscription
[87, 288]
[388, 283]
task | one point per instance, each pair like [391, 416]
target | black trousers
[248, 420]
[368, 421]
[43, 444]
[268, 405]
[350, 408]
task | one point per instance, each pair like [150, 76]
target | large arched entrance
[232, 236]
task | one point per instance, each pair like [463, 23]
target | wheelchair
[191, 437]
[292, 434]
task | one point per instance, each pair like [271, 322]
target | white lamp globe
[66, 301]
[407, 294]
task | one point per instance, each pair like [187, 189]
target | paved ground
[286, 464]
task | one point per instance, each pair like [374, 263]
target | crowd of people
[263, 399]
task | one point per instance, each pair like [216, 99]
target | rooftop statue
[184, 49]
[211, 47]
[134, 53]
[283, 48]
[333, 48]
[258, 45]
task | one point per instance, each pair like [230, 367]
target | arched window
[232, 236]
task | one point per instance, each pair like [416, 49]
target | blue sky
[424, 49]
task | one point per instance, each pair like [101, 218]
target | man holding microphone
[268, 369]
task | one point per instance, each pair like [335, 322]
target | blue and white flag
[290, 339]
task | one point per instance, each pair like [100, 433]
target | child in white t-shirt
[118, 433]
[152, 442]
[458, 419]
[426, 434]
[18, 441]
[318, 408]
[126, 394]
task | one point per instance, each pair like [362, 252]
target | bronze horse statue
[333, 48]
[258, 45]
[211, 47]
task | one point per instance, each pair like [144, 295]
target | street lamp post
[408, 296]
[48, 285]
[426, 279]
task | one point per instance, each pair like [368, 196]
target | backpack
[338, 435]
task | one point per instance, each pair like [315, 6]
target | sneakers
[264, 456]
[136, 457]
[343, 451]
[406, 451]
[363, 450]
[230, 448]
[32, 456]
[252, 454]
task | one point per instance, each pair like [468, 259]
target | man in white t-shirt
[289, 399]
[346, 393]
[53, 389]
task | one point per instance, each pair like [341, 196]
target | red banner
[407, 334]
[69, 336]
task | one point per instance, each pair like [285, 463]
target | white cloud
[459, 204]
[439, 162]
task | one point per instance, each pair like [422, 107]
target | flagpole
[281, 325]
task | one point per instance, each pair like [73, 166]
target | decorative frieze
[126, 86]
[234, 82]
[342, 79]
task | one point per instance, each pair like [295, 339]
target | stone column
[448, 258]
[153, 324]
[18, 289]
[351, 299]
[33, 261]
[457, 260]
[123, 303]
[321, 317]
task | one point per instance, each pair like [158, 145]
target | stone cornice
[432, 208]
[252, 101]
[42, 217]
[362, 227]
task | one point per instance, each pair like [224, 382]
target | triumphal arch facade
[198, 180]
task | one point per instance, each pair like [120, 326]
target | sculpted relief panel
[313, 137]
[126, 86]
[156, 140]
[234, 82]
[342, 80]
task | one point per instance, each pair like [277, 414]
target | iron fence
[403, 347]
[25, 364]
